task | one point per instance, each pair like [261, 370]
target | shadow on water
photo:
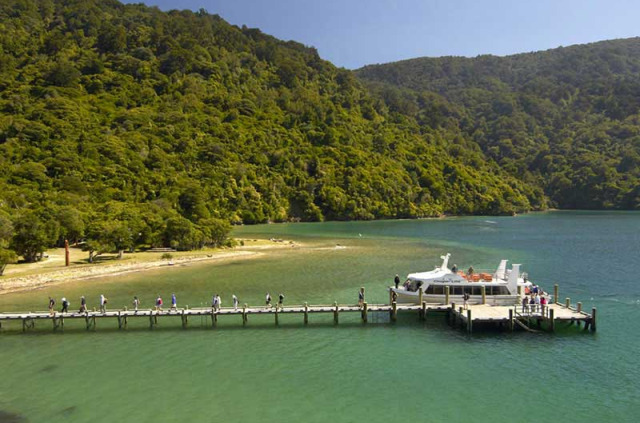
[8, 417]
[49, 368]
[67, 412]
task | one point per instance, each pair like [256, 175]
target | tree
[71, 224]
[215, 231]
[30, 238]
[6, 257]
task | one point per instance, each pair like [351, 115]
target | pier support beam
[555, 294]
[364, 312]
[567, 302]
[446, 294]
[483, 290]
[214, 318]
[593, 319]
[510, 320]
[394, 311]
[244, 314]
[469, 321]
[579, 307]
[423, 313]
[306, 313]
[185, 320]
[335, 313]
[276, 316]
[552, 320]
[420, 295]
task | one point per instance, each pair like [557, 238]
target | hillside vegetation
[128, 126]
[565, 120]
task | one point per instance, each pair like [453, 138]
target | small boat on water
[502, 287]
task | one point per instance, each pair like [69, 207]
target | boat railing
[531, 310]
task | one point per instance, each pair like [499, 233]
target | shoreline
[81, 272]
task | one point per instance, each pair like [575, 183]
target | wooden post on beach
[335, 313]
[510, 320]
[469, 321]
[483, 290]
[567, 302]
[446, 294]
[306, 313]
[244, 314]
[364, 312]
[394, 311]
[66, 252]
[593, 319]
[420, 295]
[552, 320]
[555, 294]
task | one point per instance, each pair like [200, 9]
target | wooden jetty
[533, 318]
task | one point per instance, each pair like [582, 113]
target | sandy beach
[30, 276]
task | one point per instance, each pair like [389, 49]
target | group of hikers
[216, 303]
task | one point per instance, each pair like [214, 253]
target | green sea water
[378, 372]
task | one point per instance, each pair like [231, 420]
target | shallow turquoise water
[377, 372]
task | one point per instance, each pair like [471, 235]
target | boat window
[429, 290]
[439, 289]
[456, 290]
[467, 290]
[502, 290]
[476, 291]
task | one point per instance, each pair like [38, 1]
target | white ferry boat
[501, 286]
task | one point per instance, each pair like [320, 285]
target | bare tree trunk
[90, 256]
[120, 254]
[2, 267]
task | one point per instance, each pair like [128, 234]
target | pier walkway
[503, 316]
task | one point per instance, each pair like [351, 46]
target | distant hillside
[566, 120]
[105, 106]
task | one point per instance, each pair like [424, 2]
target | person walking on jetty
[214, 302]
[219, 301]
[83, 305]
[396, 280]
[280, 301]
[52, 304]
[174, 302]
[136, 303]
[267, 300]
[159, 303]
[465, 299]
[103, 303]
[65, 305]
[361, 298]
[235, 301]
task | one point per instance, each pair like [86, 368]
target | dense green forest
[565, 120]
[125, 126]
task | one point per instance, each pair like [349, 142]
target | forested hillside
[128, 126]
[565, 120]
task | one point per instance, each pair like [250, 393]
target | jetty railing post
[244, 314]
[483, 290]
[276, 315]
[446, 294]
[567, 302]
[552, 320]
[364, 312]
[424, 310]
[184, 319]
[420, 295]
[306, 313]
[452, 314]
[119, 320]
[579, 307]
[335, 313]
[469, 321]
[151, 319]
[460, 318]
[593, 319]
[555, 294]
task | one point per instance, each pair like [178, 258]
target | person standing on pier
[52, 304]
[267, 300]
[174, 302]
[159, 303]
[525, 303]
[136, 303]
[465, 299]
[219, 301]
[281, 301]
[83, 305]
[214, 302]
[103, 303]
[235, 301]
[396, 280]
[65, 305]
[360, 298]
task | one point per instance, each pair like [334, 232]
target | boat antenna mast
[445, 261]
